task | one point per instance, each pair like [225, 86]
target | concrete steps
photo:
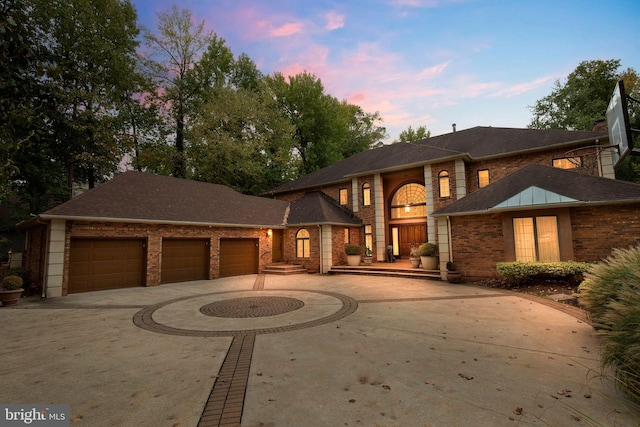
[415, 273]
[284, 269]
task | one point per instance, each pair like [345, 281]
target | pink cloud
[521, 88]
[334, 21]
[285, 30]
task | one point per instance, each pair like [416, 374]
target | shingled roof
[318, 208]
[142, 197]
[473, 144]
[537, 186]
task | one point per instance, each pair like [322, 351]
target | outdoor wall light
[269, 233]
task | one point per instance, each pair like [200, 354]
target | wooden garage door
[184, 260]
[238, 257]
[99, 264]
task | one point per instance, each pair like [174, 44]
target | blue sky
[425, 62]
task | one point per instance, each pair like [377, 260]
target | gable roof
[537, 186]
[474, 144]
[318, 208]
[141, 197]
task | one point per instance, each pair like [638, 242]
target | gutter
[47, 217]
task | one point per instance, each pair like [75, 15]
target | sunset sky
[425, 62]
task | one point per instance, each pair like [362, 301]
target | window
[536, 238]
[368, 239]
[483, 178]
[344, 196]
[567, 162]
[409, 201]
[443, 184]
[347, 238]
[302, 244]
[366, 194]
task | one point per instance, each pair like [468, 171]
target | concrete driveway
[307, 350]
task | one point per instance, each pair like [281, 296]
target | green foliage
[410, 134]
[611, 295]
[368, 251]
[351, 249]
[10, 283]
[517, 272]
[580, 101]
[451, 266]
[326, 130]
[428, 249]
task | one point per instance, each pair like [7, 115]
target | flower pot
[415, 261]
[353, 260]
[368, 260]
[9, 298]
[429, 262]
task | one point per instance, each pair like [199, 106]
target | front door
[405, 236]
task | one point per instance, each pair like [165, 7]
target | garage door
[99, 264]
[238, 257]
[184, 260]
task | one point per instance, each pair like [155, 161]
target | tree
[19, 88]
[83, 68]
[580, 101]
[326, 130]
[410, 135]
[184, 60]
[240, 139]
[583, 99]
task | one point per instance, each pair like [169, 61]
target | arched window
[443, 184]
[409, 201]
[366, 194]
[302, 244]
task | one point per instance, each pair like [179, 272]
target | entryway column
[428, 187]
[379, 212]
[326, 247]
[54, 267]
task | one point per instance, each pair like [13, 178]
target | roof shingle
[145, 197]
[583, 189]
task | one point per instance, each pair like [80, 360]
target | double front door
[405, 236]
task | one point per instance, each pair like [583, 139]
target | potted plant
[453, 275]
[429, 256]
[368, 255]
[10, 290]
[353, 254]
[414, 256]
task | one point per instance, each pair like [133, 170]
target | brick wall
[477, 245]
[598, 230]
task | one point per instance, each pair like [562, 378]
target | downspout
[449, 238]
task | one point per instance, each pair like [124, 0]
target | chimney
[600, 126]
[454, 127]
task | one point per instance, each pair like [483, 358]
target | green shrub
[611, 295]
[10, 283]
[428, 249]
[517, 272]
[351, 249]
[451, 266]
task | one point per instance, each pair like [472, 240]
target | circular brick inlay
[144, 318]
[248, 307]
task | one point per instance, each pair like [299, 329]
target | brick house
[484, 195]
[556, 187]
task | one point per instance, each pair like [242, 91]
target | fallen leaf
[465, 376]
[518, 411]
